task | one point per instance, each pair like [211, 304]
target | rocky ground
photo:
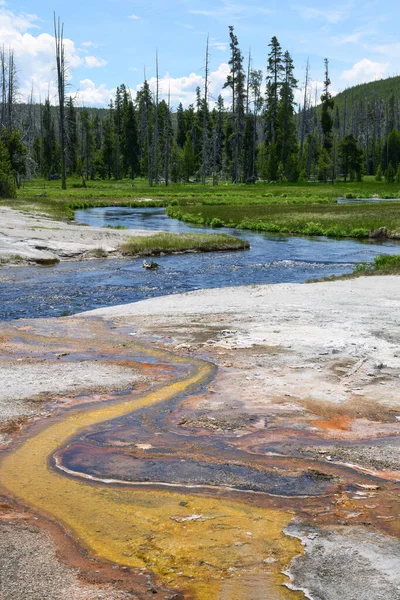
[307, 375]
[28, 237]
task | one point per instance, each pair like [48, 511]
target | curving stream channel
[192, 537]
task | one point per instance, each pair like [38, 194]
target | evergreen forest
[258, 134]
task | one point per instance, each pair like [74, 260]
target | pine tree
[326, 111]
[189, 161]
[390, 174]
[108, 147]
[87, 144]
[287, 146]
[236, 81]
[181, 126]
[218, 139]
[7, 183]
[350, 157]
[49, 143]
[146, 123]
[378, 174]
[250, 136]
[130, 141]
[117, 127]
[324, 165]
[71, 134]
[275, 70]
[17, 153]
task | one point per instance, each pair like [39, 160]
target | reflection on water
[362, 200]
[73, 287]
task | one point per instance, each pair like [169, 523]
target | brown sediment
[99, 575]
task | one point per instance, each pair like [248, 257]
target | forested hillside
[258, 134]
[371, 112]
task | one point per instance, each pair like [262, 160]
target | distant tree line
[260, 134]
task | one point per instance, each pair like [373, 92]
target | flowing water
[77, 286]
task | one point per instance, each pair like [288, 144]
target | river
[72, 287]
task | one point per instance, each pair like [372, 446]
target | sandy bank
[311, 325]
[33, 237]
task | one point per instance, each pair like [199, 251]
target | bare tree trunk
[367, 158]
[167, 141]
[3, 87]
[61, 70]
[248, 83]
[204, 157]
[11, 92]
[155, 140]
[304, 115]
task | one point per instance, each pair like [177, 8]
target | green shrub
[384, 261]
[216, 222]
[8, 188]
[313, 229]
[359, 232]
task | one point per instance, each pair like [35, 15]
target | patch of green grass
[46, 262]
[224, 204]
[332, 220]
[170, 243]
[384, 264]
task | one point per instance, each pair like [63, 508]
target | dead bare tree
[61, 75]
[304, 112]
[9, 84]
[156, 132]
[3, 88]
[12, 89]
[167, 137]
[204, 153]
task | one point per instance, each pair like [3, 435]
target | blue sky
[108, 43]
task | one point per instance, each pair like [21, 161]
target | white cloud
[93, 61]
[184, 25]
[89, 45]
[365, 70]
[222, 46]
[331, 15]
[351, 38]
[315, 91]
[391, 50]
[34, 53]
[133, 17]
[227, 9]
[183, 89]
[91, 95]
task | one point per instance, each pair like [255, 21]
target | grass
[301, 209]
[171, 243]
[384, 264]
[332, 220]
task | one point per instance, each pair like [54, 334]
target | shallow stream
[72, 287]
